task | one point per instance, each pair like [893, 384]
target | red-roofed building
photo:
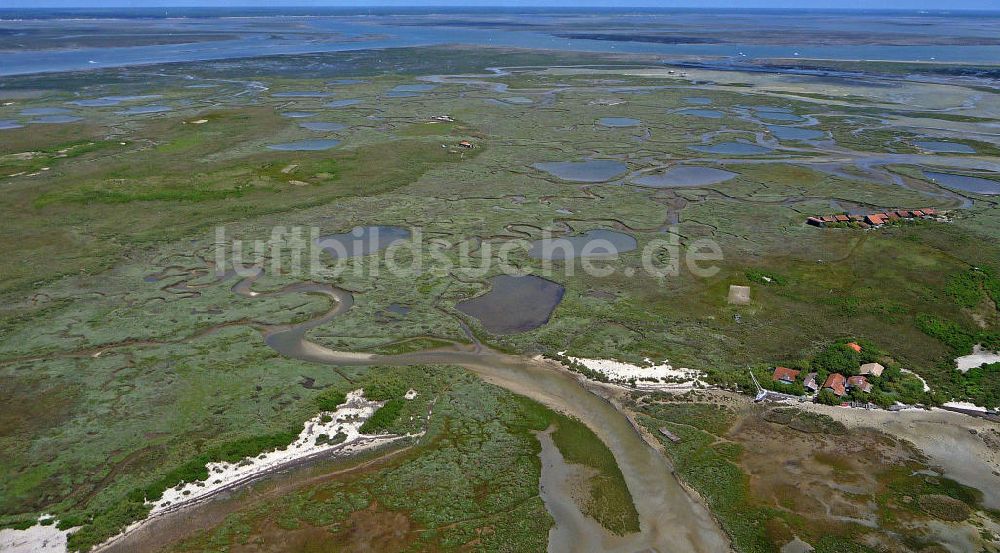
[903, 214]
[842, 218]
[918, 213]
[859, 383]
[836, 383]
[875, 219]
[930, 211]
[784, 374]
[854, 345]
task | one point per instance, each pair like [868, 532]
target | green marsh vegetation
[169, 377]
[728, 456]
[431, 494]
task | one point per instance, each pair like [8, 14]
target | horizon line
[508, 6]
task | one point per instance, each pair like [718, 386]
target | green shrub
[827, 397]
[330, 399]
[382, 419]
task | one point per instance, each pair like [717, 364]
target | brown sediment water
[670, 519]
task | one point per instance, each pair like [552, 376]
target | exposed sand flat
[343, 428]
[967, 449]
[345, 422]
[976, 358]
[36, 539]
[666, 376]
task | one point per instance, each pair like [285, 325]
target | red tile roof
[860, 383]
[918, 213]
[842, 218]
[784, 374]
[836, 382]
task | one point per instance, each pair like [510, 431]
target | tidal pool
[105, 101]
[9, 124]
[44, 111]
[305, 145]
[593, 243]
[517, 100]
[361, 241]
[977, 185]
[944, 147]
[398, 309]
[597, 170]
[298, 114]
[732, 148]
[684, 176]
[706, 113]
[698, 100]
[346, 81]
[324, 126]
[409, 90]
[618, 122]
[140, 110]
[342, 103]
[514, 304]
[779, 116]
[795, 133]
[55, 119]
[302, 94]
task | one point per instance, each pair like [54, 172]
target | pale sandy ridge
[346, 421]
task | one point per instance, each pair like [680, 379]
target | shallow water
[305, 145]
[684, 176]
[978, 185]
[514, 304]
[795, 133]
[298, 114]
[44, 111]
[706, 113]
[55, 119]
[361, 241]
[140, 110]
[698, 100]
[597, 170]
[302, 94]
[670, 520]
[399, 309]
[593, 243]
[944, 147]
[323, 126]
[407, 90]
[732, 148]
[9, 124]
[618, 122]
[517, 100]
[780, 116]
[342, 103]
[105, 101]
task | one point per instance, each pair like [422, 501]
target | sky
[815, 4]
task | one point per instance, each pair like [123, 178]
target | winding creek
[670, 518]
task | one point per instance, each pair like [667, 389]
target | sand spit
[328, 433]
[647, 377]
